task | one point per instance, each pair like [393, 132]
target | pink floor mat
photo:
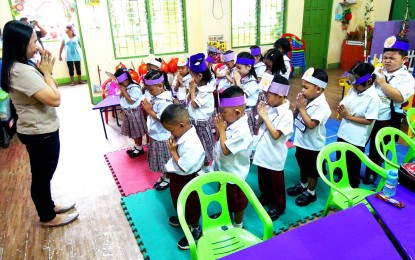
[131, 175]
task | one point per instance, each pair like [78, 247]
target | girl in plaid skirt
[202, 104]
[134, 124]
[158, 152]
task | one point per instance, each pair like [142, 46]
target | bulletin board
[383, 30]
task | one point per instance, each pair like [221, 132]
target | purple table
[400, 222]
[349, 234]
[109, 103]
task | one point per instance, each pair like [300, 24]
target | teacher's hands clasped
[45, 65]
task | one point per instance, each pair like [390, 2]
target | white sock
[312, 192]
[138, 147]
[240, 225]
[304, 185]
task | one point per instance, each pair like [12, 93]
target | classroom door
[316, 30]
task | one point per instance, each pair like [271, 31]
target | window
[256, 22]
[141, 27]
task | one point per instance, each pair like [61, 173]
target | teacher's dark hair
[16, 37]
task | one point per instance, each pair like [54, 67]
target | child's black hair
[362, 68]
[248, 55]
[228, 51]
[120, 71]
[284, 43]
[401, 52]
[174, 114]
[280, 79]
[233, 91]
[254, 47]
[277, 58]
[321, 75]
[155, 74]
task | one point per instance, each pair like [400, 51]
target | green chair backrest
[333, 163]
[384, 145]
[410, 119]
[224, 220]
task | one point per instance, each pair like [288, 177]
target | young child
[234, 147]
[274, 60]
[134, 124]
[226, 75]
[259, 66]
[154, 63]
[202, 104]
[276, 127]
[310, 116]
[284, 46]
[158, 153]
[180, 83]
[245, 78]
[187, 156]
[394, 85]
[359, 110]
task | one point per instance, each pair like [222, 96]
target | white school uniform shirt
[314, 139]
[224, 82]
[271, 153]
[239, 142]
[364, 105]
[191, 153]
[206, 102]
[260, 69]
[181, 92]
[287, 63]
[155, 129]
[404, 82]
[250, 87]
[135, 93]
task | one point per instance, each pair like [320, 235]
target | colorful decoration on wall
[68, 8]
[17, 7]
[347, 16]
[405, 23]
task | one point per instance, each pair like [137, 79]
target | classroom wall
[200, 23]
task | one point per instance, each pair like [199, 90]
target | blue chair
[297, 54]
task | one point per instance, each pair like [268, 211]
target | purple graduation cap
[256, 51]
[393, 43]
[232, 102]
[209, 59]
[197, 63]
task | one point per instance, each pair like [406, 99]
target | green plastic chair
[384, 146]
[219, 237]
[341, 195]
[410, 119]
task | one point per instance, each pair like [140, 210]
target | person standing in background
[71, 43]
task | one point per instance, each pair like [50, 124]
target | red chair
[297, 54]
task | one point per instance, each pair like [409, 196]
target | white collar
[187, 135]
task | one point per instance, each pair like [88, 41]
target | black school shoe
[296, 190]
[369, 178]
[305, 198]
[174, 221]
[274, 214]
[136, 153]
[184, 245]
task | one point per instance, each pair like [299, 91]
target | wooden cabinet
[351, 52]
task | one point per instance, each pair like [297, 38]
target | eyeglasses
[352, 80]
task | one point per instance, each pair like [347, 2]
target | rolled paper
[245, 61]
[232, 102]
[279, 89]
[229, 57]
[122, 77]
[363, 79]
[256, 51]
[197, 63]
[150, 82]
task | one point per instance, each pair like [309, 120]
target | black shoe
[305, 198]
[162, 185]
[296, 190]
[136, 153]
[369, 178]
[274, 214]
[184, 245]
[174, 221]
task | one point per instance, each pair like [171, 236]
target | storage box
[407, 176]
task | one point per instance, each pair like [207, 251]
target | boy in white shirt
[310, 116]
[187, 159]
[276, 127]
[234, 147]
[180, 84]
[359, 110]
[394, 85]
[226, 75]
